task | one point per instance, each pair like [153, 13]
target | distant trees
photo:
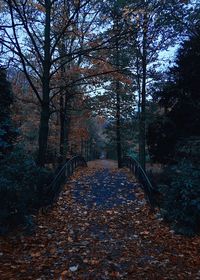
[119, 63]
[116, 99]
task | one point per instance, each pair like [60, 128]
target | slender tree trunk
[142, 122]
[62, 103]
[43, 134]
[45, 114]
[81, 146]
[90, 148]
[138, 83]
[67, 123]
[64, 130]
[118, 104]
[118, 129]
[62, 125]
[86, 150]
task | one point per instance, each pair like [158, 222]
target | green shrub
[22, 188]
[8, 131]
[22, 182]
[181, 199]
[161, 139]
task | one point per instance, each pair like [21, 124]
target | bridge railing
[53, 189]
[142, 177]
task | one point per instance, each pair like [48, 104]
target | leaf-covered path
[100, 229]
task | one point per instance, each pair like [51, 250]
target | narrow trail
[99, 229]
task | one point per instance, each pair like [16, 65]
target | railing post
[68, 170]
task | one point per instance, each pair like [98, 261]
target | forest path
[103, 163]
[99, 229]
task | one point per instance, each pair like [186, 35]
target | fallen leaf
[73, 268]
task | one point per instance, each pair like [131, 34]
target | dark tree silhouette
[8, 132]
[180, 97]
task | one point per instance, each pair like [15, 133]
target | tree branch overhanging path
[100, 228]
[51, 38]
[57, 39]
[81, 80]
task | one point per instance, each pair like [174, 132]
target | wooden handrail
[142, 177]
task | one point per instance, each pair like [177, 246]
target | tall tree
[117, 57]
[180, 96]
[30, 33]
[152, 32]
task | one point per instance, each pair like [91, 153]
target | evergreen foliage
[161, 139]
[8, 132]
[22, 183]
[22, 188]
[174, 137]
[180, 96]
[181, 198]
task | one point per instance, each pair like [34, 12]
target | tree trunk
[64, 117]
[142, 121]
[43, 134]
[82, 143]
[118, 128]
[45, 114]
[118, 104]
[62, 125]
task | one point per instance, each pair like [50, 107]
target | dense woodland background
[97, 78]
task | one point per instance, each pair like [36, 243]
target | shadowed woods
[88, 79]
[100, 228]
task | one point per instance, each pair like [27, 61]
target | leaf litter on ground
[100, 228]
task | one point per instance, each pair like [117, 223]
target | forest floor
[100, 228]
